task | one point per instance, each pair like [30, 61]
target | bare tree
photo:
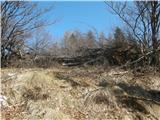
[73, 42]
[18, 20]
[143, 18]
[55, 49]
[90, 40]
[41, 40]
[102, 39]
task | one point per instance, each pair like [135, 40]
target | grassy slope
[77, 93]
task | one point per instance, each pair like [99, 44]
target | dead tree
[18, 20]
[143, 19]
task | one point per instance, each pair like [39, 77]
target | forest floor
[84, 93]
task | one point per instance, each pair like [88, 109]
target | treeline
[25, 43]
[78, 48]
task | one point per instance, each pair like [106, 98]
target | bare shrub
[35, 94]
[100, 96]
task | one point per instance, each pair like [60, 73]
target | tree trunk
[154, 22]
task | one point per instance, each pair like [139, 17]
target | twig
[139, 59]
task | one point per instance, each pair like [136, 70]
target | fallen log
[71, 64]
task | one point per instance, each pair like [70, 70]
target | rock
[127, 117]
[3, 101]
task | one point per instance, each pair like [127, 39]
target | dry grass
[79, 94]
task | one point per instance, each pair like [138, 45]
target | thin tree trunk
[154, 22]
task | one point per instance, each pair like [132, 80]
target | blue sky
[81, 15]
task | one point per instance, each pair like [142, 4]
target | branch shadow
[141, 99]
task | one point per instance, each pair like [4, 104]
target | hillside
[71, 93]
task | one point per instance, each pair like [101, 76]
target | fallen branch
[139, 59]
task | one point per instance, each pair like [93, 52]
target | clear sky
[81, 15]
